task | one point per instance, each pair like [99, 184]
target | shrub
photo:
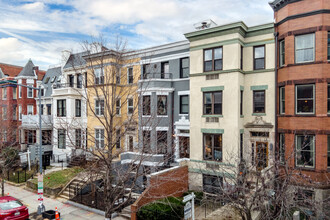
[198, 194]
[163, 209]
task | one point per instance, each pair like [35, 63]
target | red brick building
[303, 85]
[16, 101]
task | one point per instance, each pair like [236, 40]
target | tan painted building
[112, 101]
[232, 100]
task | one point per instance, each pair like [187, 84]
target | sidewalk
[68, 212]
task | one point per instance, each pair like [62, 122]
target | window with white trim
[99, 107]
[14, 92]
[130, 75]
[146, 108]
[30, 109]
[282, 52]
[118, 106]
[20, 112]
[99, 76]
[19, 91]
[99, 138]
[184, 104]
[61, 138]
[4, 93]
[305, 148]
[304, 48]
[118, 139]
[4, 113]
[162, 105]
[130, 106]
[30, 92]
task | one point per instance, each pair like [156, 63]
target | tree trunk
[108, 194]
[2, 187]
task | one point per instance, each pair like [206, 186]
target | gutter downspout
[276, 92]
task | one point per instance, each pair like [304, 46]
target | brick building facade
[303, 78]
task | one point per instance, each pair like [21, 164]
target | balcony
[32, 122]
[67, 89]
[157, 76]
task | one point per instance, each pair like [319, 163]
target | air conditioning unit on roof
[205, 24]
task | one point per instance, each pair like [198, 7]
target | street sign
[188, 197]
[40, 187]
[187, 210]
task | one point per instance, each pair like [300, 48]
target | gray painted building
[164, 98]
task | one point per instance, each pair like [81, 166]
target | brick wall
[171, 182]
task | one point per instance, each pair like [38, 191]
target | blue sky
[40, 30]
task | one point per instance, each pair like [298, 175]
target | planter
[47, 191]
[49, 214]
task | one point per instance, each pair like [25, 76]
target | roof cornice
[278, 4]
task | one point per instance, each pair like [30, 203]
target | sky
[40, 30]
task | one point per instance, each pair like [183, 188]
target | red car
[12, 209]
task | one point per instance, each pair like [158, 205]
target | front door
[261, 155]
[184, 147]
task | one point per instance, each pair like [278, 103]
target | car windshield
[10, 205]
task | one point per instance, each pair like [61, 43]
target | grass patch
[59, 178]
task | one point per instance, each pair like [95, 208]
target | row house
[112, 101]
[302, 31]
[232, 101]
[69, 106]
[164, 101]
[21, 104]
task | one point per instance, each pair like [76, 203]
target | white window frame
[28, 92]
[296, 153]
[128, 75]
[296, 100]
[99, 138]
[98, 72]
[118, 108]
[27, 109]
[4, 112]
[14, 92]
[4, 93]
[129, 106]
[19, 91]
[20, 112]
[295, 44]
[98, 108]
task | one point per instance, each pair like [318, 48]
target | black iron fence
[22, 175]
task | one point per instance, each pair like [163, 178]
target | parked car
[12, 208]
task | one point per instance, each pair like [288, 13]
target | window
[71, 80]
[99, 138]
[118, 138]
[61, 138]
[19, 91]
[42, 91]
[184, 67]
[212, 103]
[241, 146]
[282, 53]
[305, 99]
[20, 112]
[99, 76]
[146, 70]
[78, 137]
[78, 108]
[4, 93]
[282, 100]
[184, 104]
[118, 106]
[42, 110]
[213, 59]
[79, 80]
[47, 137]
[165, 70]
[161, 142]
[61, 108]
[161, 105]
[118, 76]
[328, 151]
[130, 143]
[4, 113]
[46, 80]
[30, 109]
[53, 79]
[328, 98]
[49, 109]
[15, 93]
[259, 57]
[241, 103]
[212, 184]
[241, 57]
[328, 45]
[130, 106]
[146, 105]
[130, 75]
[99, 107]
[282, 147]
[304, 48]
[30, 136]
[259, 101]
[30, 92]
[14, 112]
[146, 135]
[213, 147]
[305, 150]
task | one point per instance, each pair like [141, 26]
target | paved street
[68, 212]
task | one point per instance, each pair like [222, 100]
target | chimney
[65, 56]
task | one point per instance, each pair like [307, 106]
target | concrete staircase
[126, 212]
[71, 190]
